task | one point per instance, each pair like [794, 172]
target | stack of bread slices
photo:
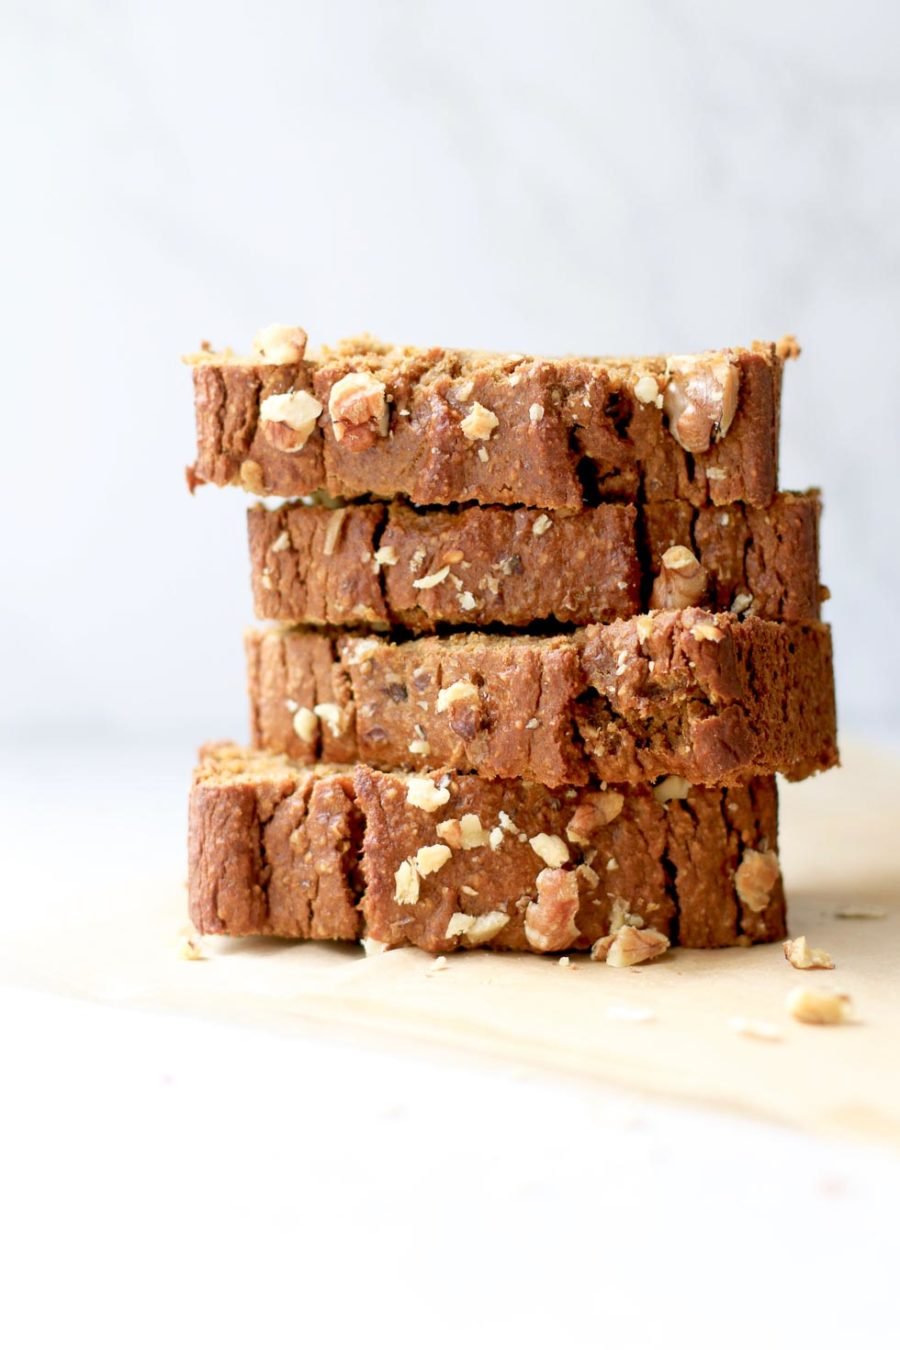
[540, 634]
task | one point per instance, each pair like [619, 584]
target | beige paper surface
[841, 848]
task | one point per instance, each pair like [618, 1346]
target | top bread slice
[441, 426]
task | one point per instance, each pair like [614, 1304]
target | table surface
[384, 1147]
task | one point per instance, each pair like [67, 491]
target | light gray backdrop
[559, 177]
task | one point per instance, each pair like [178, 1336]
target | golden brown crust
[458, 426]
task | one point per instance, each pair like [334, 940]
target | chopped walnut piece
[787, 348]
[406, 883]
[541, 525]
[741, 603]
[804, 957]
[298, 411]
[386, 556]
[471, 832]
[629, 946]
[467, 601]
[643, 626]
[252, 479]
[478, 928]
[431, 858]
[550, 919]
[459, 924]
[550, 849]
[600, 809]
[433, 579]
[646, 390]
[279, 345]
[681, 582]
[671, 788]
[479, 423]
[333, 530]
[819, 1007]
[358, 400]
[700, 400]
[419, 747]
[306, 725]
[756, 877]
[707, 632]
[425, 793]
[450, 831]
[332, 715]
[454, 693]
[620, 916]
[281, 543]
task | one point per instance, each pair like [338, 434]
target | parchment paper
[840, 842]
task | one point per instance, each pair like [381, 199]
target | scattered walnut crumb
[372, 947]
[818, 1007]
[358, 400]
[425, 793]
[700, 399]
[306, 725]
[299, 411]
[566, 963]
[591, 877]
[386, 556]
[479, 423]
[550, 849]
[454, 693]
[438, 964]
[536, 412]
[682, 580]
[756, 877]
[860, 912]
[671, 788]
[755, 1029]
[190, 949]
[630, 946]
[431, 858]
[532, 724]
[541, 525]
[550, 919]
[803, 957]
[406, 883]
[279, 345]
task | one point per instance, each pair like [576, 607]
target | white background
[579, 176]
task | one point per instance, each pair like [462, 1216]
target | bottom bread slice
[441, 861]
